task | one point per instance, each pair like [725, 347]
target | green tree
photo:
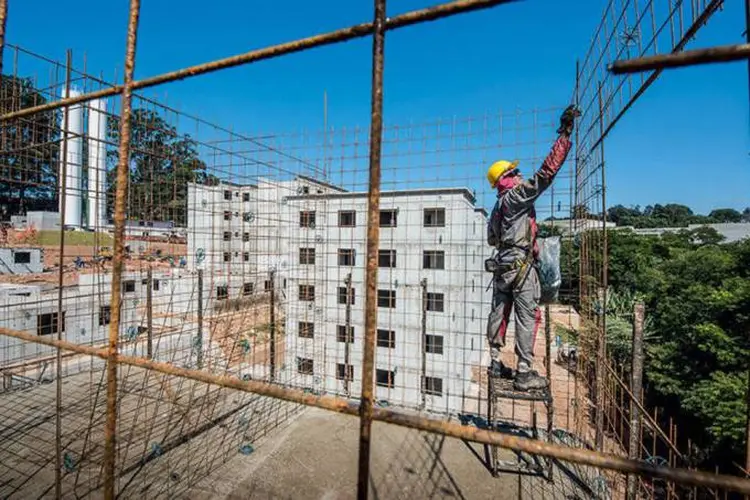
[725, 215]
[622, 215]
[697, 295]
[672, 214]
[162, 163]
[30, 147]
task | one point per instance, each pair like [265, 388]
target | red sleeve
[556, 157]
[525, 194]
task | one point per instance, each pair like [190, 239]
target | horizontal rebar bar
[451, 429]
[330, 38]
[724, 53]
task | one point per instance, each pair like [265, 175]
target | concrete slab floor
[315, 457]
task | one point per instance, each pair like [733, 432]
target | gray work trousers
[524, 301]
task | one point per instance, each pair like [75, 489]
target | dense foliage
[28, 162]
[697, 295]
[671, 215]
[162, 163]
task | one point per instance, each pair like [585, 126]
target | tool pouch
[491, 265]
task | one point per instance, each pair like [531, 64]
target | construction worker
[512, 230]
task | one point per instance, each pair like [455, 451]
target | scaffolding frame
[366, 410]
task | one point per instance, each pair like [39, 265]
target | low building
[23, 260]
[41, 221]
[86, 310]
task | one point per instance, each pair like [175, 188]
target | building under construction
[209, 314]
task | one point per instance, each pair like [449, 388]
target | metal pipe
[447, 428]
[636, 386]
[373, 243]
[110, 434]
[723, 53]
[342, 35]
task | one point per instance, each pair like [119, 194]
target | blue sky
[685, 141]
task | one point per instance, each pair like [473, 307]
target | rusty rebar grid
[338, 36]
[712, 7]
[447, 428]
[375, 412]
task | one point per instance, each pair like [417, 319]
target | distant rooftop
[391, 194]
[731, 231]
[322, 183]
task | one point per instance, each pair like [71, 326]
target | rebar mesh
[244, 270]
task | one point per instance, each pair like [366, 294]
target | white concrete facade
[39, 220]
[459, 233]
[21, 260]
[240, 231]
[86, 308]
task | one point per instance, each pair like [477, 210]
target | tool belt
[491, 265]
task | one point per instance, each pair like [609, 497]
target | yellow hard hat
[499, 169]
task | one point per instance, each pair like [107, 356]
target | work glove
[567, 120]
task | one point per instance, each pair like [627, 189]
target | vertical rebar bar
[423, 284]
[602, 344]
[550, 403]
[272, 332]
[199, 340]
[121, 195]
[348, 329]
[62, 174]
[150, 313]
[636, 383]
[573, 227]
[373, 241]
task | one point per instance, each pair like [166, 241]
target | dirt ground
[51, 255]
[244, 335]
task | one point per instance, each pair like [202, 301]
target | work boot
[529, 380]
[498, 370]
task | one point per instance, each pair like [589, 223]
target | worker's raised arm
[529, 191]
